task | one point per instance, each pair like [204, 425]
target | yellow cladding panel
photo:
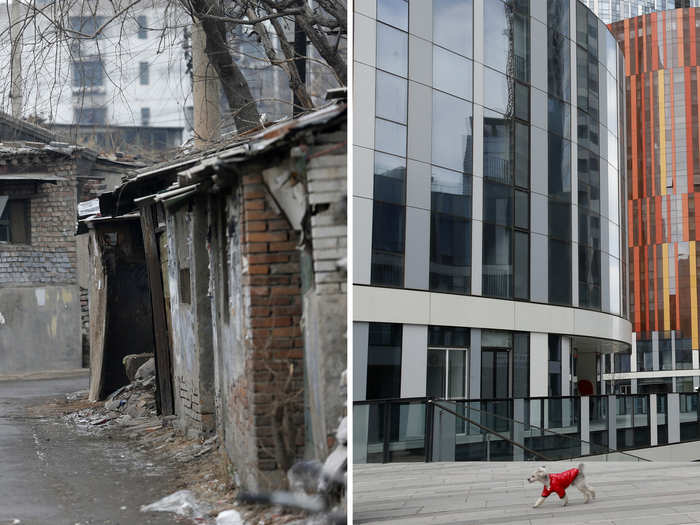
[662, 133]
[667, 302]
[693, 295]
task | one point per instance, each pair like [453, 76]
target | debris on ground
[129, 415]
[182, 503]
[133, 362]
[229, 517]
[146, 370]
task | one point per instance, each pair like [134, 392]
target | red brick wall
[271, 284]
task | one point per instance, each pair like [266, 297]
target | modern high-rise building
[489, 200]
[613, 10]
[663, 162]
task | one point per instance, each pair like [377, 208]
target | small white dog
[560, 482]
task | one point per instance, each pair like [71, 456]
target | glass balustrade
[423, 429]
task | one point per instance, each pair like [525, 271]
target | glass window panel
[488, 388]
[622, 363]
[612, 155]
[497, 262]
[496, 339]
[452, 132]
[522, 265]
[521, 365]
[498, 155]
[522, 209]
[613, 197]
[389, 178]
[522, 6]
[522, 101]
[559, 272]
[665, 354]
[457, 371]
[613, 240]
[611, 53]
[558, 16]
[593, 87]
[387, 268]
[684, 359]
[436, 373]
[498, 203]
[589, 277]
[388, 227]
[393, 12]
[581, 24]
[498, 27]
[451, 192]
[559, 117]
[390, 137]
[392, 50]
[558, 66]
[452, 73]
[522, 155]
[560, 220]
[614, 285]
[592, 34]
[452, 25]
[391, 97]
[384, 361]
[611, 101]
[452, 336]
[559, 164]
[498, 94]
[521, 47]
[450, 253]
[502, 375]
[589, 229]
[582, 78]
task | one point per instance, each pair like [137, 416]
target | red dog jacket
[560, 482]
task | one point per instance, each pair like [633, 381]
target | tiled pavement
[496, 493]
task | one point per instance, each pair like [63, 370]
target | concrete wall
[39, 328]
[39, 296]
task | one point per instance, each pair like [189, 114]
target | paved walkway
[496, 493]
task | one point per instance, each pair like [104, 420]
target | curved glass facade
[487, 167]
[495, 176]
[663, 87]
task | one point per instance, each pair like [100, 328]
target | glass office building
[613, 10]
[663, 159]
[489, 199]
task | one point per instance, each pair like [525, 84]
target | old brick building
[41, 182]
[39, 299]
[246, 251]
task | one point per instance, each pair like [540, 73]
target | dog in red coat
[560, 482]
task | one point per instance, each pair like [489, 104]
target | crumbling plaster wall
[188, 279]
[39, 297]
[325, 303]
[235, 428]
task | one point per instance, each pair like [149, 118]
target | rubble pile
[202, 490]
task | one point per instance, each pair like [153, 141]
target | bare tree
[52, 37]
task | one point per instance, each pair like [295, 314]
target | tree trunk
[240, 100]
